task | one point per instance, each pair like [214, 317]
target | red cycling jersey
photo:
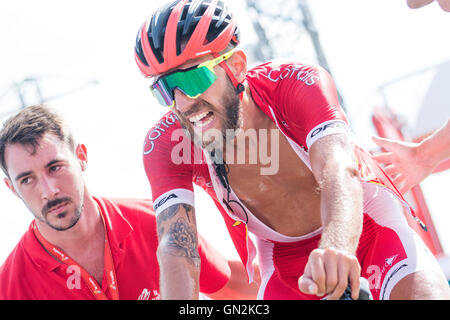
[302, 101]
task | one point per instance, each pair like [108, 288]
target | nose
[182, 102]
[49, 189]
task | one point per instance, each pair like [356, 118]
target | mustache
[53, 203]
[197, 107]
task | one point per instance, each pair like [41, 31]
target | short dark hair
[29, 125]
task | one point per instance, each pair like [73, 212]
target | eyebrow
[23, 174]
[27, 173]
[52, 163]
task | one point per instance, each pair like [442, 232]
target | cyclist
[323, 213]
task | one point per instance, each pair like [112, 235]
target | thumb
[405, 188]
[383, 142]
[307, 285]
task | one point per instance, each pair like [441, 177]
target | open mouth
[203, 119]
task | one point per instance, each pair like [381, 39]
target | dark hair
[28, 126]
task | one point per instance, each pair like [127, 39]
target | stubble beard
[230, 119]
[59, 224]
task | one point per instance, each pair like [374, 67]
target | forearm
[436, 147]
[177, 253]
[341, 210]
[179, 279]
[332, 266]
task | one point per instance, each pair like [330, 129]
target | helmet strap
[239, 86]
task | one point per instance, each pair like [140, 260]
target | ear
[238, 63]
[81, 153]
[10, 186]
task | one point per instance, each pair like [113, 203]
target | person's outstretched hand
[403, 163]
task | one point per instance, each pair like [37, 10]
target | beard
[230, 119]
[63, 220]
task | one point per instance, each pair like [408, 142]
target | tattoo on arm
[183, 241]
[181, 236]
[168, 213]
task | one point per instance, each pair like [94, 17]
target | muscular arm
[335, 171]
[178, 256]
[333, 265]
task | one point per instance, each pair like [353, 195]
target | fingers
[399, 179]
[401, 182]
[332, 276]
[307, 285]
[318, 272]
[348, 272]
[340, 284]
[383, 143]
[329, 271]
[311, 282]
[386, 157]
[405, 188]
[391, 170]
[354, 279]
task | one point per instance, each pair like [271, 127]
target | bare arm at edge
[409, 163]
[178, 257]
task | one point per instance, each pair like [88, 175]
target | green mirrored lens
[162, 93]
[192, 82]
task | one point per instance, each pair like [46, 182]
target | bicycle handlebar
[364, 291]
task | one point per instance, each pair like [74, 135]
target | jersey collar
[117, 228]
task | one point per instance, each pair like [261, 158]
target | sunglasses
[191, 81]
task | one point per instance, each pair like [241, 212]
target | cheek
[72, 183]
[78, 182]
[28, 196]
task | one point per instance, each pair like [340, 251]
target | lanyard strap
[92, 284]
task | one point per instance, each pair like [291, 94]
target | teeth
[202, 124]
[198, 117]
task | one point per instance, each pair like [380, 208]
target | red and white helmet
[181, 31]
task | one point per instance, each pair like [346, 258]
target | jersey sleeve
[214, 270]
[310, 104]
[168, 163]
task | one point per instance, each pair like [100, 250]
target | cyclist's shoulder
[282, 65]
[283, 78]
[161, 135]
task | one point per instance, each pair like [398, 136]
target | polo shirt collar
[36, 251]
[117, 226]
[117, 229]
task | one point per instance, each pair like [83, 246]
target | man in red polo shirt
[80, 246]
